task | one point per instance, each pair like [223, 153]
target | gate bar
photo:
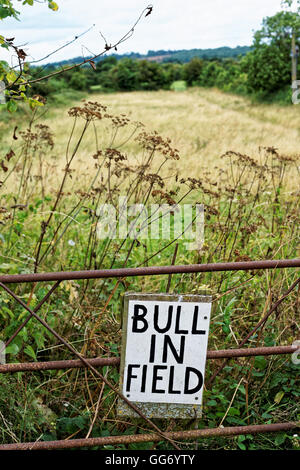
[115, 361]
[149, 271]
[175, 435]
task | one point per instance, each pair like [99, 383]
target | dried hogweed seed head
[90, 111]
[154, 142]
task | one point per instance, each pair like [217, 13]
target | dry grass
[202, 123]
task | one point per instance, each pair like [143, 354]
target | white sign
[166, 345]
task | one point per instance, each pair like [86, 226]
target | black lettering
[169, 321]
[130, 375]
[195, 321]
[152, 348]
[144, 375]
[187, 390]
[156, 378]
[171, 382]
[177, 323]
[168, 342]
[139, 317]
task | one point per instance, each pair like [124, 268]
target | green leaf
[266, 415]
[4, 12]
[280, 438]
[39, 339]
[12, 349]
[211, 403]
[4, 66]
[11, 77]
[241, 439]
[8, 311]
[233, 412]
[12, 106]
[30, 352]
[278, 397]
[4, 45]
[53, 6]
[260, 362]
[34, 103]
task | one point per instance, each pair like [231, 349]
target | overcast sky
[174, 24]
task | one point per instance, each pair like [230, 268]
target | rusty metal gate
[82, 362]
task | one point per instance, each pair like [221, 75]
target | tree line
[263, 72]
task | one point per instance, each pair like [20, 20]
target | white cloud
[174, 24]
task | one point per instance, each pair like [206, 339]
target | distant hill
[181, 56]
[186, 55]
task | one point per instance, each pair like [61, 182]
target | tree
[268, 69]
[268, 65]
[125, 75]
[150, 75]
[192, 71]
[290, 3]
[106, 64]
[173, 72]
[78, 80]
[210, 73]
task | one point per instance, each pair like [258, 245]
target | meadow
[202, 123]
[240, 159]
